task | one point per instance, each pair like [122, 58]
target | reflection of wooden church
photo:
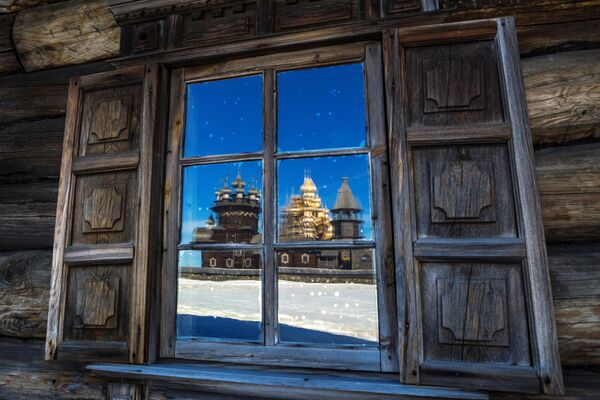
[305, 218]
[237, 216]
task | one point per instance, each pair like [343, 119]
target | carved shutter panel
[100, 266]
[477, 310]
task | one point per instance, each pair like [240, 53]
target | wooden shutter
[470, 247]
[102, 244]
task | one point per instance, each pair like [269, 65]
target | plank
[542, 318]
[257, 382]
[73, 32]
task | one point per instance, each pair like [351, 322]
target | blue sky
[318, 108]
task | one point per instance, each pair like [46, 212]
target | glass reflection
[224, 117]
[219, 295]
[216, 209]
[321, 108]
[324, 198]
[328, 296]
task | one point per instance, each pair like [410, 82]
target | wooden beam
[569, 185]
[543, 26]
[12, 6]
[563, 95]
[71, 32]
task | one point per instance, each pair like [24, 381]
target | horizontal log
[24, 374]
[12, 6]
[24, 293]
[40, 95]
[543, 26]
[72, 32]
[569, 185]
[27, 225]
[31, 150]
[563, 95]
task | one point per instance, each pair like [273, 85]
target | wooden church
[468, 131]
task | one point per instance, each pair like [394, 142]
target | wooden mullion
[269, 294]
[342, 244]
[171, 217]
[217, 159]
[382, 228]
[321, 153]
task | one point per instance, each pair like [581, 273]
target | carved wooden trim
[104, 210]
[444, 85]
[462, 190]
[97, 299]
[110, 121]
[299, 13]
[472, 311]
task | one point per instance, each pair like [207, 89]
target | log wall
[561, 66]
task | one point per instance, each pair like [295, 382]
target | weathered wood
[39, 95]
[542, 25]
[73, 32]
[580, 384]
[12, 6]
[8, 56]
[30, 150]
[271, 383]
[569, 184]
[24, 278]
[563, 95]
[24, 374]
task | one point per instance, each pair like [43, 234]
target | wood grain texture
[13, 6]
[24, 289]
[569, 185]
[40, 95]
[24, 374]
[563, 96]
[542, 319]
[73, 32]
[542, 25]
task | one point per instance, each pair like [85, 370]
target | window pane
[324, 198]
[222, 203]
[327, 297]
[321, 108]
[219, 294]
[224, 117]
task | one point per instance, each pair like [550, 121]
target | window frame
[382, 358]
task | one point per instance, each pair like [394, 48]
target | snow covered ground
[347, 310]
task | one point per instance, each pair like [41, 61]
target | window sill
[269, 383]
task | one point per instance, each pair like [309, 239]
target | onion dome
[308, 186]
[238, 184]
[225, 191]
[345, 199]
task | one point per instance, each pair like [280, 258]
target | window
[257, 167]
[277, 172]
